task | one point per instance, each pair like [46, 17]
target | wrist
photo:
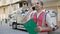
[40, 28]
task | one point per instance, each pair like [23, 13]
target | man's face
[38, 6]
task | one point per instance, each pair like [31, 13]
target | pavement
[55, 32]
[8, 30]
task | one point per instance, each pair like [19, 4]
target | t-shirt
[51, 21]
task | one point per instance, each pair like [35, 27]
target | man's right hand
[38, 29]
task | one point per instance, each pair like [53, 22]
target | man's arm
[50, 26]
[44, 29]
[51, 22]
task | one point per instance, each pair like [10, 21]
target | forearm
[46, 29]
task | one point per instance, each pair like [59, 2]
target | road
[55, 32]
[7, 30]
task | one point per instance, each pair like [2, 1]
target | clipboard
[30, 25]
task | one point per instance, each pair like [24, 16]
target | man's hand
[43, 29]
[38, 29]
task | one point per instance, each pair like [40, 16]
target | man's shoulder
[44, 10]
[33, 12]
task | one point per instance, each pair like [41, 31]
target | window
[21, 4]
[3, 10]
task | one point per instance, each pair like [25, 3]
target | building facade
[7, 6]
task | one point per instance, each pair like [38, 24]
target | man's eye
[37, 3]
[24, 3]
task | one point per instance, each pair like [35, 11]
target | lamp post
[10, 7]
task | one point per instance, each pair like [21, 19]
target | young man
[38, 17]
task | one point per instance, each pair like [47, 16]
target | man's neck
[38, 11]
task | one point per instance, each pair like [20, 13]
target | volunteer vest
[39, 19]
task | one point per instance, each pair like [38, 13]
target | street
[55, 32]
[7, 30]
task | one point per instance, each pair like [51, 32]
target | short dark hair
[33, 8]
[41, 3]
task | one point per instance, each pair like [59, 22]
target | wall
[58, 13]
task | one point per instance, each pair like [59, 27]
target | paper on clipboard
[30, 25]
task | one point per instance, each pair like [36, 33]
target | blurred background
[8, 9]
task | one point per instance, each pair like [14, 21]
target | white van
[16, 19]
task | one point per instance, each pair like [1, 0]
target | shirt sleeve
[29, 17]
[50, 21]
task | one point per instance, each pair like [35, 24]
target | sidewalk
[57, 31]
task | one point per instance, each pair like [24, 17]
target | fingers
[37, 29]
